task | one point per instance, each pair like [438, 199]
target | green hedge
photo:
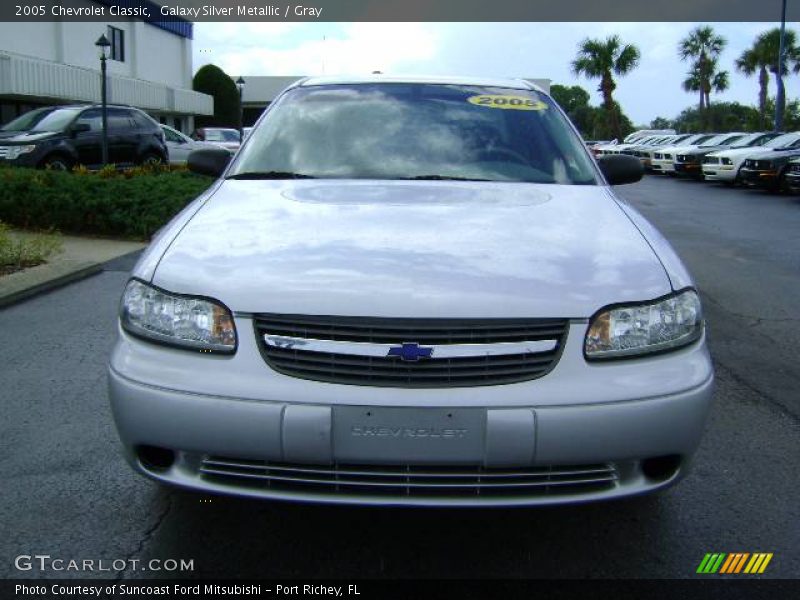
[131, 204]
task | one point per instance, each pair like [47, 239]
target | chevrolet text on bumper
[363, 320]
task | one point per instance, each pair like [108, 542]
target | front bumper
[759, 177]
[662, 165]
[580, 433]
[793, 181]
[717, 172]
[689, 169]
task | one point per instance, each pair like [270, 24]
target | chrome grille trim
[408, 480]
[382, 350]
[354, 351]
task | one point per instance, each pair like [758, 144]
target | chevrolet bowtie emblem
[410, 351]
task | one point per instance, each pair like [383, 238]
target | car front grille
[316, 352]
[711, 160]
[658, 156]
[408, 480]
[757, 164]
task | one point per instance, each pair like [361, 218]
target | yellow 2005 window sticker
[507, 102]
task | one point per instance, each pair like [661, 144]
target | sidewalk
[81, 258]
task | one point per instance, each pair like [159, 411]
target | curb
[18, 293]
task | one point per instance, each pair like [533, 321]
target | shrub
[19, 252]
[131, 204]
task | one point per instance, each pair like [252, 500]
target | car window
[787, 139]
[26, 121]
[172, 136]
[406, 131]
[221, 135]
[43, 119]
[93, 118]
[119, 120]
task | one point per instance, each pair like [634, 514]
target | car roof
[517, 84]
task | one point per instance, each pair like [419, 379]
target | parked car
[228, 138]
[664, 159]
[412, 291]
[181, 145]
[688, 162]
[646, 152]
[60, 137]
[615, 148]
[725, 166]
[793, 176]
[642, 133]
[767, 168]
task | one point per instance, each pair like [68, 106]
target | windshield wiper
[442, 178]
[269, 175]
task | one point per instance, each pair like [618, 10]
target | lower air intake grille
[372, 351]
[429, 481]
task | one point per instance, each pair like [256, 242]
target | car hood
[735, 152]
[412, 249]
[770, 154]
[25, 137]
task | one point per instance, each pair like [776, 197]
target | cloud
[336, 49]
[482, 49]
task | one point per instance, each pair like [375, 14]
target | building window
[117, 39]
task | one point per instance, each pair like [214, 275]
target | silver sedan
[412, 291]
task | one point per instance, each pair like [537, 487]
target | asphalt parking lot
[67, 492]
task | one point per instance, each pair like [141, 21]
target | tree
[703, 46]
[762, 57]
[212, 80]
[575, 102]
[602, 59]
[661, 123]
[720, 116]
[591, 121]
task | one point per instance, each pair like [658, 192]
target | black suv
[60, 137]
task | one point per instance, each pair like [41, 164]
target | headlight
[185, 321]
[726, 161]
[13, 152]
[638, 329]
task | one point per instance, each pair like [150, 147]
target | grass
[21, 252]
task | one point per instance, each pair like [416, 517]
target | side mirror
[79, 128]
[209, 161]
[620, 168]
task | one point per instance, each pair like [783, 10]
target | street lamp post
[240, 86]
[104, 45]
[780, 97]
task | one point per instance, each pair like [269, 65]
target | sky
[540, 50]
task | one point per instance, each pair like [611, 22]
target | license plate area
[371, 435]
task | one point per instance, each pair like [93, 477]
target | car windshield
[782, 141]
[692, 139]
[222, 135]
[753, 139]
[417, 131]
[720, 140]
[43, 119]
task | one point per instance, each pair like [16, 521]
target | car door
[122, 138]
[179, 146]
[88, 144]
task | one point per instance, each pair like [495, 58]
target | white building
[150, 66]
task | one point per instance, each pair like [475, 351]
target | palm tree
[704, 46]
[762, 56]
[753, 59]
[602, 59]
